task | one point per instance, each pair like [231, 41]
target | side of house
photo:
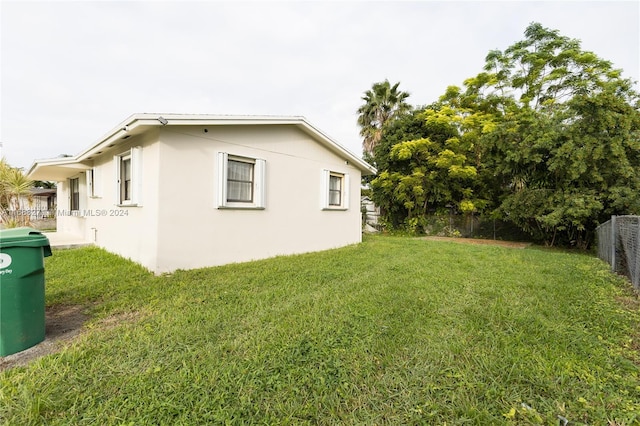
[208, 190]
[113, 200]
[286, 209]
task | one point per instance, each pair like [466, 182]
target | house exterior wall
[178, 224]
[194, 232]
[130, 231]
[67, 220]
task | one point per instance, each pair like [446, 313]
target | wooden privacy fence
[619, 245]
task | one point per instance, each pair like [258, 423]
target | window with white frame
[125, 178]
[241, 182]
[128, 177]
[74, 194]
[94, 183]
[335, 190]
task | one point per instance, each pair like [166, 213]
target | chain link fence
[619, 246]
[473, 226]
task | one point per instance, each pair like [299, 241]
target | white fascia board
[218, 118]
[139, 123]
[51, 171]
[39, 164]
[365, 168]
[231, 120]
[119, 132]
[56, 167]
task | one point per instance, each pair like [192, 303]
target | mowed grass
[391, 331]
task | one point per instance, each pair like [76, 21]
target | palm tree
[13, 186]
[382, 104]
[44, 184]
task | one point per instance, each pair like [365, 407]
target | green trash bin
[22, 253]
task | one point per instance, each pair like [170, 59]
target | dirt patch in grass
[62, 324]
[510, 244]
[630, 301]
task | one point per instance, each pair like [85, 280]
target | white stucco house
[178, 191]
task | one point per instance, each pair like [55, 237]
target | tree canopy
[547, 137]
[382, 104]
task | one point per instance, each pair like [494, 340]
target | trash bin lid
[24, 237]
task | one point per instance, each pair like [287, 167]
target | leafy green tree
[546, 70]
[407, 127]
[426, 174]
[411, 126]
[556, 135]
[382, 104]
[552, 133]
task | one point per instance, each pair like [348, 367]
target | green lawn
[391, 331]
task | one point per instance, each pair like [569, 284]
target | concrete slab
[65, 241]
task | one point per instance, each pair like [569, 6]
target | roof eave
[51, 170]
[365, 168]
[140, 123]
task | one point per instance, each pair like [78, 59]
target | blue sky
[71, 71]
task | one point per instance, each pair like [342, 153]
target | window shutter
[116, 162]
[136, 175]
[90, 191]
[346, 192]
[260, 183]
[222, 178]
[97, 182]
[324, 189]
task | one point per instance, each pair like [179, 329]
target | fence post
[613, 243]
[636, 279]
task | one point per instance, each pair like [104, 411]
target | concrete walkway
[65, 241]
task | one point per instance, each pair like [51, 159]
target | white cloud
[70, 71]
